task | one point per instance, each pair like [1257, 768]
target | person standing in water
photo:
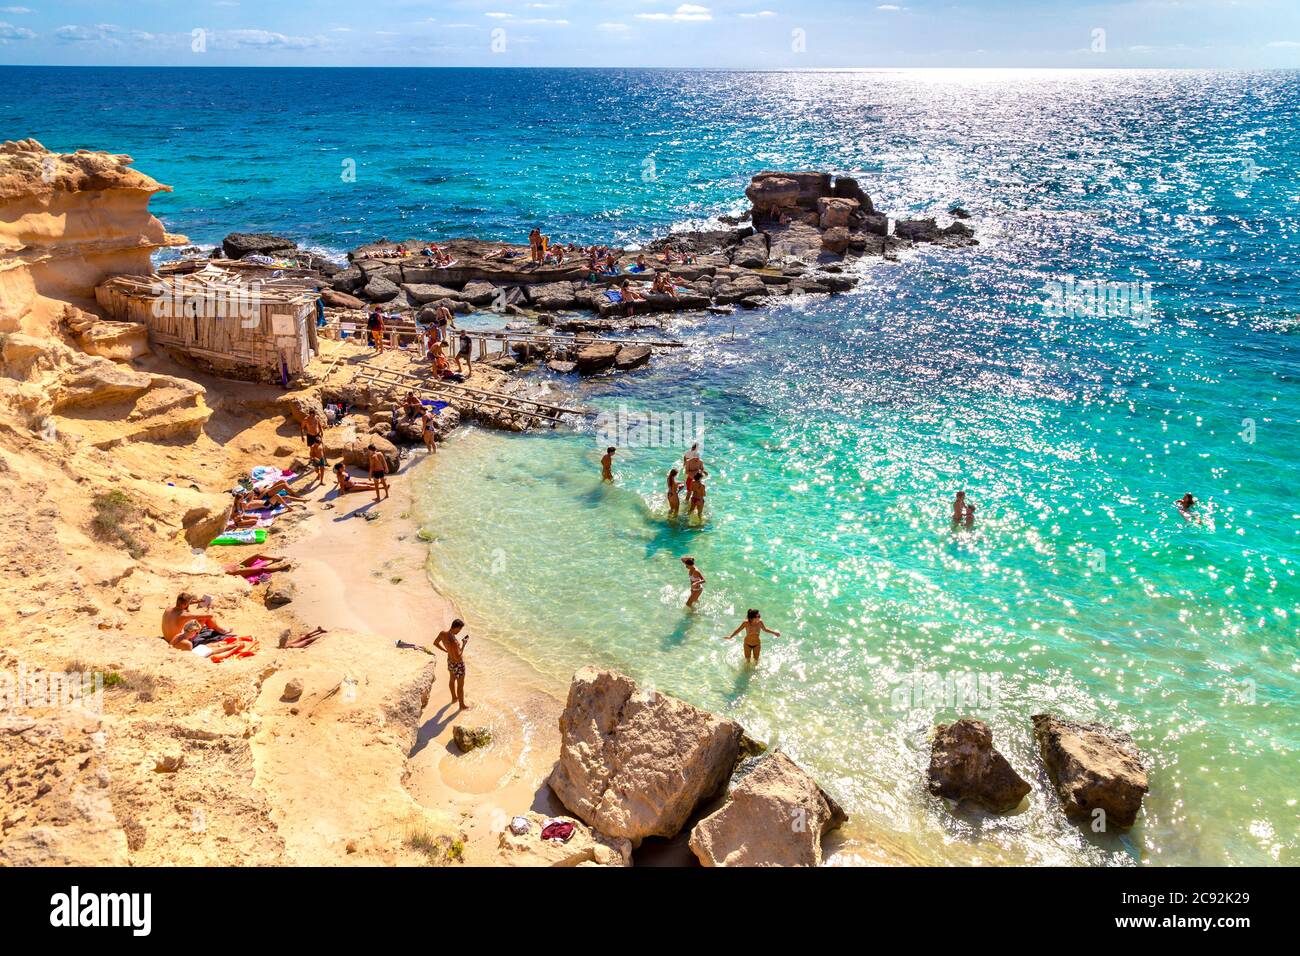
[607, 465]
[958, 508]
[696, 580]
[450, 643]
[674, 486]
[694, 464]
[970, 517]
[753, 627]
[697, 493]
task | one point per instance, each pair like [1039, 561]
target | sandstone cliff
[68, 220]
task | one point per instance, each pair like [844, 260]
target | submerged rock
[964, 765]
[635, 763]
[470, 738]
[776, 815]
[1093, 767]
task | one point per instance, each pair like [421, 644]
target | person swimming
[696, 580]
[754, 628]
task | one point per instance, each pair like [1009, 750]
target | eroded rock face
[636, 764]
[356, 453]
[1093, 767]
[585, 847]
[776, 815]
[964, 765]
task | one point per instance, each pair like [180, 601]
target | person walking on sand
[316, 451]
[607, 464]
[696, 580]
[378, 470]
[454, 647]
[312, 428]
[753, 627]
[674, 486]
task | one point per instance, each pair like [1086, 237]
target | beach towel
[435, 404]
[613, 295]
[560, 830]
[232, 648]
[241, 536]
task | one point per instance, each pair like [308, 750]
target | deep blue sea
[838, 429]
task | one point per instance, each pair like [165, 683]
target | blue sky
[704, 33]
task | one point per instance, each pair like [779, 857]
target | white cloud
[499, 16]
[890, 8]
[1284, 44]
[10, 32]
[17, 11]
[760, 13]
[688, 12]
[263, 39]
[108, 34]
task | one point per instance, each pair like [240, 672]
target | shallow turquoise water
[838, 429]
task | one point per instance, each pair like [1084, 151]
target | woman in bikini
[674, 486]
[347, 483]
[696, 580]
[427, 433]
[753, 627]
[698, 492]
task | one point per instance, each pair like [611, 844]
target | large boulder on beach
[795, 242]
[240, 244]
[340, 300]
[636, 763]
[964, 765]
[422, 293]
[1094, 768]
[379, 289]
[479, 293]
[596, 357]
[521, 843]
[357, 454]
[775, 815]
[553, 296]
[846, 187]
[205, 521]
[776, 192]
[349, 280]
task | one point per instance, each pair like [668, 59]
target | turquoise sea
[837, 429]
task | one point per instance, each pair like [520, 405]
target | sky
[773, 34]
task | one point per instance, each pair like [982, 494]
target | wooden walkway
[518, 408]
[397, 333]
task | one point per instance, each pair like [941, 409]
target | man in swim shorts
[454, 647]
[378, 467]
[184, 631]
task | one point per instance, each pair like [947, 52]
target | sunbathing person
[412, 406]
[258, 564]
[185, 631]
[347, 483]
[238, 516]
[663, 285]
[268, 488]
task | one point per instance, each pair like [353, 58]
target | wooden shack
[220, 322]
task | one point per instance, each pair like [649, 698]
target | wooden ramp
[517, 408]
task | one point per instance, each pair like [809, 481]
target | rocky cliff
[68, 220]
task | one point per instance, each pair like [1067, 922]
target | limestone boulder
[835, 211]
[631, 356]
[836, 240]
[357, 454]
[1093, 767]
[634, 763]
[117, 341]
[751, 253]
[479, 293]
[98, 382]
[348, 280]
[240, 244]
[553, 296]
[584, 847]
[596, 357]
[775, 815]
[204, 522]
[379, 289]
[471, 738]
[340, 300]
[423, 293]
[965, 766]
